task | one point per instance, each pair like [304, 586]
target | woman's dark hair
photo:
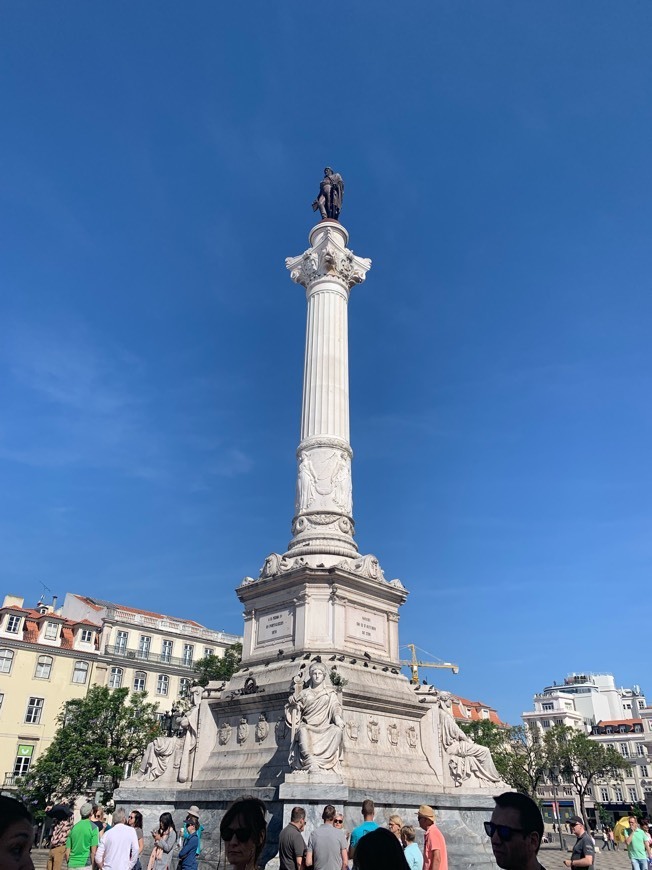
[379, 850]
[138, 818]
[12, 811]
[165, 823]
[253, 812]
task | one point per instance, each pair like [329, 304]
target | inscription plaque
[275, 626]
[366, 626]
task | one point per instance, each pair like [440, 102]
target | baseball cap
[575, 820]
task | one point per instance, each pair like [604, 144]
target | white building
[608, 714]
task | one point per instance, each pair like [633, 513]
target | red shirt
[434, 840]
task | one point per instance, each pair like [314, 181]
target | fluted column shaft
[323, 521]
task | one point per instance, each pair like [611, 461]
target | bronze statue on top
[331, 194]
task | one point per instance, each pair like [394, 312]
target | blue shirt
[188, 855]
[360, 831]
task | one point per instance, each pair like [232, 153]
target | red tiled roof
[620, 722]
[14, 607]
[96, 606]
[475, 708]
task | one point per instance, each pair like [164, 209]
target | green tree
[218, 667]
[581, 760]
[517, 753]
[97, 736]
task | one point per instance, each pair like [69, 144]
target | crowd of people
[515, 831]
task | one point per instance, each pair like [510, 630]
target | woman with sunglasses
[164, 841]
[244, 829]
[135, 821]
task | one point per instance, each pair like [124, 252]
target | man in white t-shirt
[119, 847]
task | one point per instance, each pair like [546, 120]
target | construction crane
[414, 664]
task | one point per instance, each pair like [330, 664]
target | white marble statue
[314, 715]
[178, 749]
[466, 759]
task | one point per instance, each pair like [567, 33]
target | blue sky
[158, 164]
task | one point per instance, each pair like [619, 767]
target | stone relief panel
[281, 731]
[412, 737]
[224, 733]
[373, 730]
[262, 728]
[393, 733]
[352, 730]
[243, 730]
[324, 481]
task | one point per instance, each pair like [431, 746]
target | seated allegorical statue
[466, 759]
[314, 715]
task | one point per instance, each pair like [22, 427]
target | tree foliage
[218, 667]
[96, 737]
[517, 753]
[580, 760]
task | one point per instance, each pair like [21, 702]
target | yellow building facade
[49, 656]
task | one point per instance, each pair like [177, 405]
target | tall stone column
[323, 525]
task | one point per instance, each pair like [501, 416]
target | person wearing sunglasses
[583, 854]
[516, 831]
[243, 830]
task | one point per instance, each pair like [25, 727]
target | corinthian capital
[328, 259]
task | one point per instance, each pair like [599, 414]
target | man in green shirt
[637, 844]
[82, 841]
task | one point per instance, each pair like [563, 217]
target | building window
[644, 772]
[34, 709]
[541, 792]
[80, 673]
[208, 651]
[144, 644]
[640, 749]
[162, 684]
[86, 635]
[51, 631]
[604, 795]
[6, 660]
[609, 730]
[589, 791]
[43, 668]
[140, 680]
[618, 792]
[23, 759]
[166, 651]
[121, 639]
[632, 795]
[13, 624]
[624, 749]
[545, 723]
[547, 707]
[115, 680]
[184, 687]
[188, 650]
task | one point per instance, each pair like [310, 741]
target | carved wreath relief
[243, 730]
[412, 737]
[352, 729]
[373, 730]
[393, 733]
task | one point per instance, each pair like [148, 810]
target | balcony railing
[174, 625]
[11, 781]
[152, 658]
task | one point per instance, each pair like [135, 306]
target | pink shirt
[434, 840]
